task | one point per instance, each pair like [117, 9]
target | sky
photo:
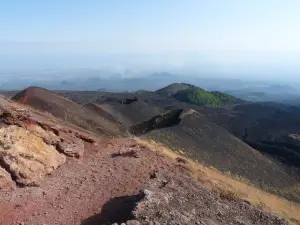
[229, 33]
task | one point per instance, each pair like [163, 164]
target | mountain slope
[129, 114]
[47, 101]
[117, 180]
[172, 89]
[264, 123]
[144, 115]
[209, 143]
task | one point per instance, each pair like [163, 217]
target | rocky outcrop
[5, 180]
[63, 139]
[181, 200]
[48, 135]
[26, 156]
[32, 145]
[71, 146]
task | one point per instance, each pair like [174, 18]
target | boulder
[26, 156]
[48, 136]
[71, 146]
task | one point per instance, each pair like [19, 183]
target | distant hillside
[71, 112]
[198, 96]
[173, 89]
[272, 93]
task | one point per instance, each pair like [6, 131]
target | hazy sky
[226, 31]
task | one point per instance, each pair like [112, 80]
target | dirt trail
[104, 187]
[80, 188]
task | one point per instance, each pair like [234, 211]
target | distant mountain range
[114, 81]
[272, 93]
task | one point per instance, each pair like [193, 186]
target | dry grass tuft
[228, 194]
[188, 112]
[231, 187]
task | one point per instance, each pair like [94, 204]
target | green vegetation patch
[201, 97]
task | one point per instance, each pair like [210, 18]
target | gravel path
[79, 188]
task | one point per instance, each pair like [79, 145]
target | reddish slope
[47, 101]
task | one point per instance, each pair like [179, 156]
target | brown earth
[86, 178]
[47, 101]
[31, 143]
[103, 188]
[255, 141]
[80, 188]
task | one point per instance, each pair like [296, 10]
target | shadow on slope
[271, 128]
[169, 119]
[130, 114]
[116, 210]
[203, 140]
[285, 152]
[102, 113]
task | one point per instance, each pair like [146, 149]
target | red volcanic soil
[104, 187]
[80, 189]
